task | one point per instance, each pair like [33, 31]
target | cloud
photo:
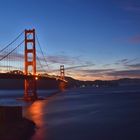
[134, 65]
[125, 73]
[93, 74]
[12, 57]
[106, 65]
[106, 74]
[61, 59]
[96, 71]
[80, 66]
[125, 61]
[122, 61]
[75, 62]
[74, 68]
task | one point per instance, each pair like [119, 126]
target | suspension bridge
[26, 61]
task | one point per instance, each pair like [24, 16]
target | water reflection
[62, 86]
[35, 113]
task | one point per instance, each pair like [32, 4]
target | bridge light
[36, 78]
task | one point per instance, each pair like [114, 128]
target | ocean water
[88, 114]
[85, 114]
[19, 93]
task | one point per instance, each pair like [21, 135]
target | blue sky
[94, 39]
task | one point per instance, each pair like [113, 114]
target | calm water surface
[87, 114]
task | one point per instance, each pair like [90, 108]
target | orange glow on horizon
[82, 77]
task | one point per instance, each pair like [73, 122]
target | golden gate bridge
[14, 64]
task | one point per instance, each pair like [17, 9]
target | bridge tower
[30, 92]
[62, 84]
[62, 72]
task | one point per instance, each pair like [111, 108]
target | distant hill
[98, 83]
[19, 84]
[51, 84]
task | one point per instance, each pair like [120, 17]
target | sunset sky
[94, 39]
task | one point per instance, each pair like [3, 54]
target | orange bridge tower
[62, 72]
[30, 92]
[62, 84]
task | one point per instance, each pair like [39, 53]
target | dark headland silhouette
[72, 83]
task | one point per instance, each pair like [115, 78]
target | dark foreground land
[88, 114]
[20, 130]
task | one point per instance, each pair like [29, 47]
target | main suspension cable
[11, 42]
[13, 49]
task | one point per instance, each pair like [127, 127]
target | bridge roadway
[22, 76]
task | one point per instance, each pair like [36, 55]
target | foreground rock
[20, 130]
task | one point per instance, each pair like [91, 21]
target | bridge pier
[30, 91]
